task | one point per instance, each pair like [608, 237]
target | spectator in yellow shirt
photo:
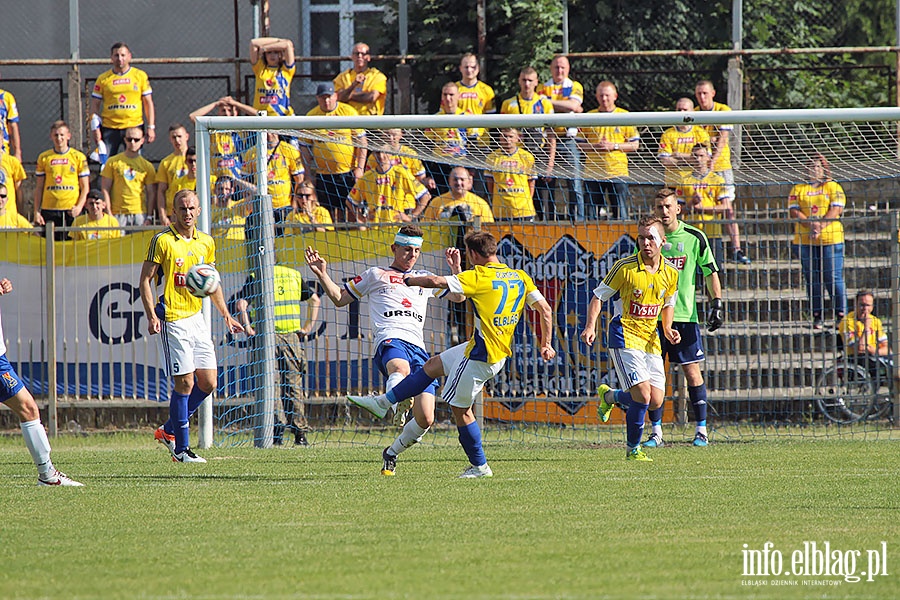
[128, 182]
[8, 218]
[308, 211]
[95, 216]
[362, 87]
[61, 181]
[459, 201]
[510, 179]
[863, 332]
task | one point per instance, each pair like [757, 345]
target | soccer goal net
[562, 194]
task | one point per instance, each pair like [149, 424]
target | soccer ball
[202, 280]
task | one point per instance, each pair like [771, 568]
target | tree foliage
[521, 33]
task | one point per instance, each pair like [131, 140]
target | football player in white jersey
[397, 315]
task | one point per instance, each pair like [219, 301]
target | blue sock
[193, 403]
[470, 439]
[178, 417]
[655, 416]
[196, 399]
[623, 397]
[698, 402]
[634, 423]
[411, 386]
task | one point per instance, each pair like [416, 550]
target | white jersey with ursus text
[396, 311]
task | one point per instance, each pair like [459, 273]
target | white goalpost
[770, 150]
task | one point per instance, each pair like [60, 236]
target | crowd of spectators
[322, 177]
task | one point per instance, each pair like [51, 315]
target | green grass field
[556, 521]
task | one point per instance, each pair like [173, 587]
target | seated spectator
[450, 143]
[402, 154]
[338, 155]
[229, 210]
[12, 174]
[459, 201]
[127, 181]
[95, 215]
[362, 87]
[9, 219]
[171, 167]
[62, 177]
[675, 146]
[386, 194]
[510, 179]
[122, 99]
[274, 67]
[308, 211]
[227, 148]
[861, 331]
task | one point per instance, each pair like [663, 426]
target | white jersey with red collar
[395, 309]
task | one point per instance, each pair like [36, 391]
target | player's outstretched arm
[543, 307]
[589, 334]
[317, 264]
[426, 281]
[454, 261]
[218, 300]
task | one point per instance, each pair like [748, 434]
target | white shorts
[636, 366]
[465, 377]
[186, 345]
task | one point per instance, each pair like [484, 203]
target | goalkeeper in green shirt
[688, 249]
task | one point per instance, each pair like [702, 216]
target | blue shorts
[10, 382]
[690, 350]
[393, 348]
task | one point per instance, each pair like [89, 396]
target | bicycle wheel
[844, 393]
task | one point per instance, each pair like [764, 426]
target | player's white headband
[401, 239]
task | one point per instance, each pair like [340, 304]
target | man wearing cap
[338, 156]
[361, 86]
[397, 314]
[94, 217]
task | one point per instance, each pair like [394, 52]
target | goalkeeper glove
[715, 316]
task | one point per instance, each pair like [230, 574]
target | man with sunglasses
[128, 182]
[362, 87]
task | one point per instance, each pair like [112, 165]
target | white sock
[392, 380]
[38, 445]
[657, 429]
[701, 429]
[412, 433]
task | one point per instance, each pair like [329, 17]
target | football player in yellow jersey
[675, 146]
[361, 86]
[62, 180]
[122, 98]
[707, 194]
[340, 160]
[386, 194]
[128, 182]
[816, 208]
[705, 94]
[187, 352]
[606, 161]
[499, 295]
[273, 67]
[643, 288]
[510, 179]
